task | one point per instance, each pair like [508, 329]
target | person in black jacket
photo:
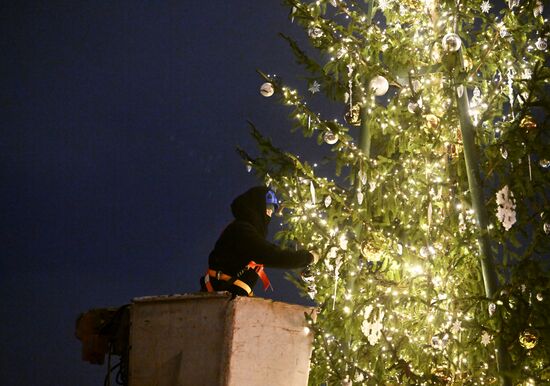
[241, 252]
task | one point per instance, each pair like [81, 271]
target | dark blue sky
[119, 122]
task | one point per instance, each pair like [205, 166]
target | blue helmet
[271, 199]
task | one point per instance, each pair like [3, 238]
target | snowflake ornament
[372, 329]
[456, 327]
[486, 338]
[485, 6]
[315, 87]
[506, 211]
[383, 5]
[359, 377]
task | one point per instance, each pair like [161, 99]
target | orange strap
[222, 276]
[259, 268]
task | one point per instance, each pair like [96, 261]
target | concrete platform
[211, 340]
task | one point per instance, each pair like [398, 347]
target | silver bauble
[451, 42]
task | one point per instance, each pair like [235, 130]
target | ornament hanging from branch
[315, 32]
[529, 338]
[312, 192]
[314, 87]
[267, 89]
[451, 42]
[330, 138]
[432, 121]
[541, 44]
[485, 6]
[360, 197]
[353, 115]
[379, 85]
[372, 327]
[506, 211]
[538, 9]
[486, 338]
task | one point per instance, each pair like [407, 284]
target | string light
[421, 292]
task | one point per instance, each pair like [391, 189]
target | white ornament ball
[541, 44]
[451, 42]
[379, 85]
[546, 228]
[330, 138]
[544, 163]
[267, 89]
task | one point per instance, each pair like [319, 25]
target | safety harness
[219, 275]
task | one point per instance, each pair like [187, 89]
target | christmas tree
[434, 227]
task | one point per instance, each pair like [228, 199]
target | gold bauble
[528, 123]
[529, 338]
[452, 150]
[353, 115]
[432, 121]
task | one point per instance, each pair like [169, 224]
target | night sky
[119, 122]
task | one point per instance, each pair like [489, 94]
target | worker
[242, 251]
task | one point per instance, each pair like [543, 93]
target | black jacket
[244, 240]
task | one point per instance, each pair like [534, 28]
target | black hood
[250, 207]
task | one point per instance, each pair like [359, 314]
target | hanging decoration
[528, 123]
[432, 121]
[460, 90]
[529, 338]
[328, 201]
[267, 89]
[475, 105]
[538, 9]
[353, 115]
[312, 192]
[506, 211]
[314, 87]
[315, 32]
[337, 264]
[330, 138]
[440, 341]
[504, 153]
[379, 85]
[511, 74]
[486, 338]
[451, 42]
[372, 327]
[541, 44]
[492, 308]
[360, 197]
[485, 6]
